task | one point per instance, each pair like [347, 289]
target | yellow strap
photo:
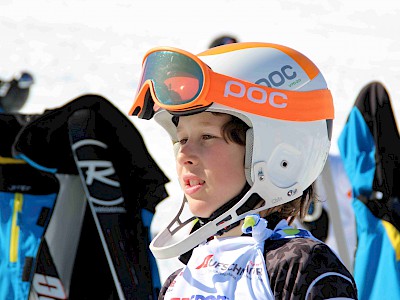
[18, 201]
[9, 160]
[394, 237]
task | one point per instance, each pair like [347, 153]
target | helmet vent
[284, 164]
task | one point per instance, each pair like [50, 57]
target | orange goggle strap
[264, 101]
[243, 96]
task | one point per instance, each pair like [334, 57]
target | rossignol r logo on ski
[99, 174]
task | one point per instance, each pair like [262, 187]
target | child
[251, 125]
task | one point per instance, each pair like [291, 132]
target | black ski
[127, 261]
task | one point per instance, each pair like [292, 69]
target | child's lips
[193, 187]
[192, 184]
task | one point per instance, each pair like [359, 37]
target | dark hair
[235, 131]
[299, 206]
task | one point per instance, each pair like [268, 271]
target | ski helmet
[284, 155]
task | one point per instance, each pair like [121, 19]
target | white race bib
[225, 269]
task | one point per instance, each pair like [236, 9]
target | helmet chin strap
[165, 244]
[250, 204]
[184, 258]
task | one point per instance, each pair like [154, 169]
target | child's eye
[207, 136]
[182, 141]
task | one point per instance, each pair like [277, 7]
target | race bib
[226, 269]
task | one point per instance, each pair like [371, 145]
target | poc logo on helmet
[255, 94]
[277, 78]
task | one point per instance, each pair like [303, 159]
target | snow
[96, 46]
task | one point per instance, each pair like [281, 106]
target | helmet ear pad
[283, 158]
[284, 165]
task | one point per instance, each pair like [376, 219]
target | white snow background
[76, 47]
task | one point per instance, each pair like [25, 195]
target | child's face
[210, 169]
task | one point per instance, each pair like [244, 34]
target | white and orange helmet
[278, 92]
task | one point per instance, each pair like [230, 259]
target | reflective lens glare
[177, 79]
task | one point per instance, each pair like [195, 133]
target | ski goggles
[179, 82]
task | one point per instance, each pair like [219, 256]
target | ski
[107, 204]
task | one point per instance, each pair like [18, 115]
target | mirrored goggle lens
[177, 78]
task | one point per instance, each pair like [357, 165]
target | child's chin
[200, 210]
